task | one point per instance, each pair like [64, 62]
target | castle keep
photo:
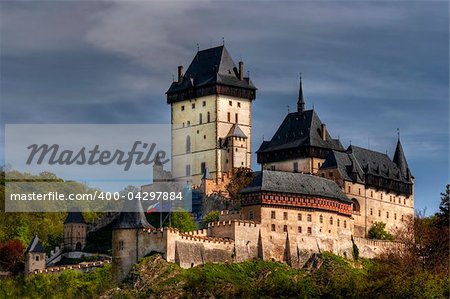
[311, 195]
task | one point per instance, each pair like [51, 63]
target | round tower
[75, 230]
[126, 240]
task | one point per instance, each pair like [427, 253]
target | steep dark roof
[400, 161]
[35, 245]
[132, 216]
[300, 130]
[357, 161]
[209, 67]
[296, 183]
[236, 131]
[74, 217]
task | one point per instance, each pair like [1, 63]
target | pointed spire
[301, 101]
[400, 159]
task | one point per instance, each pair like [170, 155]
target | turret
[400, 161]
[74, 231]
[301, 100]
[127, 238]
[34, 256]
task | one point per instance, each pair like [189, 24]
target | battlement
[236, 222]
[205, 239]
[84, 266]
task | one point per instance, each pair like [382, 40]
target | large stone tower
[209, 102]
[127, 239]
[75, 229]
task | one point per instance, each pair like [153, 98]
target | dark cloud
[368, 67]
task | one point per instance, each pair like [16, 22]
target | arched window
[356, 206]
[188, 144]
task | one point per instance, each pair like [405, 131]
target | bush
[210, 217]
[378, 231]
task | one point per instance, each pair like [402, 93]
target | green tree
[378, 231]
[210, 217]
[443, 215]
[183, 221]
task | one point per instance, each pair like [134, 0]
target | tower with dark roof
[400, 161]
[210, 99]
[127, 238]
[301, 143]
[34, 256]
[75, 231]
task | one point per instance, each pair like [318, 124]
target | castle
[311, 194]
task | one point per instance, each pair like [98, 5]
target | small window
[309, 217]
[349, 189]
[250, 215]
[371, 193]
[387, 215]
[202, 167]
[379, 213]
[299, 229]
[37, 258]
[229, 116]
[338, 222]
[230, 103]
[182, 108]
[200, 119]
[193, 105]
[295, 167]
[404, 201]
[371, 211]
[330, 174]
[395, 216]
[204, 103]
[299, 217]
[273, 227]
[321, 219]
[359, 191]
[188, 123]
[402, 218]
[331, 220]
[381, 195]
[309, 230]
[188, 170]
[226, 161]
[272, 215]
[236, 117]
[208, 117]
[239, 104]
[285, 216]
[121, 245]
[285, 228]
[345, 223]
[272, 167]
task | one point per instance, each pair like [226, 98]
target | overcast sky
[368, 67]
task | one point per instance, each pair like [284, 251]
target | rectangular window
[182, 108]
[299, 229]
[200, 119]
[371, 193]
[272, 167]
[359, 191]
[208, 117]
[272, 214]
[309, 217]
[188, 170]
[295, 166]
[239, 104]
[193, 105]
[371, 211]
[299, 217]
[285, 216]
[230, 103]
[309, 230]
[387, 215]
[229, 116]
[204, 103]
[345, 224]
[37, 258]
[349, 189]
[285, 228]
[395, 216]
[379, 213]
[273, 227]
[202, 167]
[236, 117]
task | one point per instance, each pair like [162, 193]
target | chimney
[180, 73]
[323, 132]
[241, 70]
